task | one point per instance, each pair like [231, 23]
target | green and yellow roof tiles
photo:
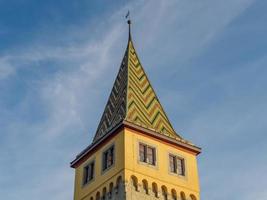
[142, 103]
[133, 99]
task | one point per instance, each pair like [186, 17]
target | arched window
[193, 197]
[164, 192]
[91, 198]
[174, 194]
[182, 194]
[145, 186]
[97, 197]
[118, 183]
[110, 189]
[104, 193]
[155, 189]
[134, 182]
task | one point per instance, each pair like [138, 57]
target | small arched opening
[145, 186]
[110, 190]
[118, 184]
[164, 192]
[104, 193]
[192, 197]
[155, 189]
[134, 182]
[174, 194]
[182, 194]
[97, 197]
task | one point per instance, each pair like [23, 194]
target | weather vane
[127, 16]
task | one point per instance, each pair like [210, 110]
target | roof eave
[180, 143]
[93, 145]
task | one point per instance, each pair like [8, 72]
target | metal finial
[129, 23]
[127, 16]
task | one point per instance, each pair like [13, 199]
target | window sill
[184, 177]
[107, 169]
[147, 164]
[88, 183]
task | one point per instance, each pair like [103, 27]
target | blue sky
[206, 60]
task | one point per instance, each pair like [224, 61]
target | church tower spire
[129, 25]
[136, 153]
[133, 99]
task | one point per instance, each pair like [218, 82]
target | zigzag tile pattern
[133, 99]
[143, 106]
[115, 109]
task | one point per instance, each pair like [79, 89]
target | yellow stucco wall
[127, 165]
[160, 173]
[101, 180]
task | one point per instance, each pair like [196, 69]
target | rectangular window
[147, 154]
[180, 166]
[177, 165]
[173, 166]
[108, 158]
[88, 173]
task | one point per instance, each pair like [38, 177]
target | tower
[136, 153]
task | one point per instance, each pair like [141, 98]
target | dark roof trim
[182, 143]
[95, 144]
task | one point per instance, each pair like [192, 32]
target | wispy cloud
[69, 100]
[6, 69]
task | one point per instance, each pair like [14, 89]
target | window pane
[85, 175]
[110, 157]
[151, 155]
[105, 160]
[173, 167]
[88, 173]
[92, 166]
[180, 166]
[142, 156]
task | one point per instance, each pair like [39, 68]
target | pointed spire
[133, 99]
[129, 24]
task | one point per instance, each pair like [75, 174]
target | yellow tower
[136, 154]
